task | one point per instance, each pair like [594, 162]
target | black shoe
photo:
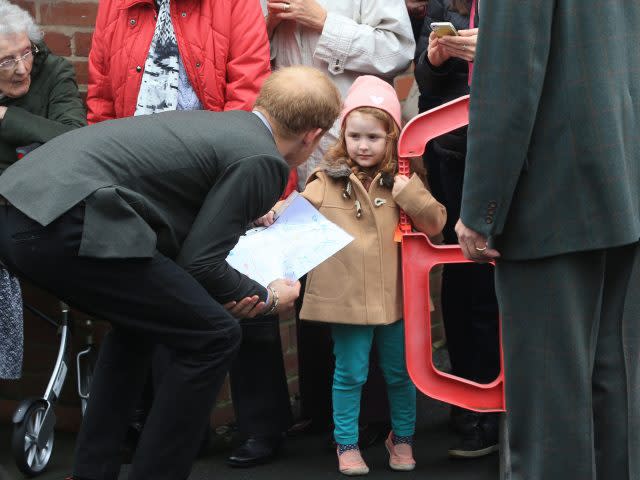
[462, 420]
[479, 438]
[255, 451]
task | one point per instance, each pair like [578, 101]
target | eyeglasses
[11, 63]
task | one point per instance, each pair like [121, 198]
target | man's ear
[312, 136]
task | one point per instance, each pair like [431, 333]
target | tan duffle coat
[362, 283]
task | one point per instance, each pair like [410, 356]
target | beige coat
[361, 284]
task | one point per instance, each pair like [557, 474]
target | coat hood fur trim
[342, 170]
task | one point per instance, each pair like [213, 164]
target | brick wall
[68, 26]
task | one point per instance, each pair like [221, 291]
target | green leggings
[352, 344]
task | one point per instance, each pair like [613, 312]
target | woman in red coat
[210, 51]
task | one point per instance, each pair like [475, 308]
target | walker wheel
[29, 457]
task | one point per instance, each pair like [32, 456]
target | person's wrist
[275, 300]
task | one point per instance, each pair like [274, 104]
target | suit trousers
[148, 302]
[258, 380]
[571, 335]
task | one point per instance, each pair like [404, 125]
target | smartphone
[442, 29]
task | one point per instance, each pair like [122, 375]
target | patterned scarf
[11, 326]
[160, 81]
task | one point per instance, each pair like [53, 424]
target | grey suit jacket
[186, 184]
[553, 162]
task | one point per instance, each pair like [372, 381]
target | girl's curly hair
[337, 154]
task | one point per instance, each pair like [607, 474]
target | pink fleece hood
[370, 91]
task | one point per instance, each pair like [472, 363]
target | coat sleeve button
[132, 22]
[138, 68]
[488, 220]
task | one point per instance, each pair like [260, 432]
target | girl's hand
[399, 183]
[266, 220]
[308, 13]
[436, 52]
[462, 46]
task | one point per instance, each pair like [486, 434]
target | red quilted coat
[223, 45]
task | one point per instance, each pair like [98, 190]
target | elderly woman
[39, 97]
[38, 101]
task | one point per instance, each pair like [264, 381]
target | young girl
[359, 290]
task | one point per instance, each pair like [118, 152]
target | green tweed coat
[553, 161]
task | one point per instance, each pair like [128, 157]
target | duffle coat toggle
[346, 193]
[358, 209]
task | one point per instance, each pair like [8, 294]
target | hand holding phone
[443, 29]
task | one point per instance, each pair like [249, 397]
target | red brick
[403, 84]
[82, 43]
[81, 14]
[82, 71]
[58, 43]
[28, 5]
[294, 385]
[291, 363]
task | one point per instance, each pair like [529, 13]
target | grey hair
[14, 19]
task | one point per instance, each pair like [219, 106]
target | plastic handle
[424, 128]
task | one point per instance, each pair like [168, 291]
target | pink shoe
[351, 463]
[400, 456]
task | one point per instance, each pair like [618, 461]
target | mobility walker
[419, 255]
[34, 419]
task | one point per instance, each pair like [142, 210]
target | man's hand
[287, 291]
[308, 13]
[474, 245]
[266, 220]
[248, 307]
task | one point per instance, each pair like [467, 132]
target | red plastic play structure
[419, 256]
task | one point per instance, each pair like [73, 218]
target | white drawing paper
[300, 239]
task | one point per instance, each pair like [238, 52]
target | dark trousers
[571, 335]
[258, 380]
[469, 305]
[148, 302]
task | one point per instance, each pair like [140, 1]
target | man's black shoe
[255, 451]
[480, 438]
[462, 420]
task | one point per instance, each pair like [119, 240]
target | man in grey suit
[552, 182]
[132, 220]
